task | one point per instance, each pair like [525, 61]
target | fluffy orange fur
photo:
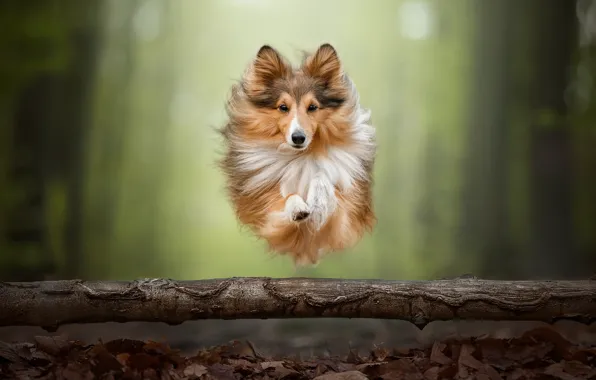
[312, 198]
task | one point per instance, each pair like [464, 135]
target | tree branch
[49, 304]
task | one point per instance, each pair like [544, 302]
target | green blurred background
[484, 109]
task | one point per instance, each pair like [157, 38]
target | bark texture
[49, 304]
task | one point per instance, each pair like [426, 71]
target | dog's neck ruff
[295, 170]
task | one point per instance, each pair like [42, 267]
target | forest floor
[302, 349]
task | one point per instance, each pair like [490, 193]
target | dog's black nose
[298, 138]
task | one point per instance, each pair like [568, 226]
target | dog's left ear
[324, 64]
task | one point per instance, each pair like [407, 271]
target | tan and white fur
[299, 155]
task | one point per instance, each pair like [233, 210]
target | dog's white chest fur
[296, 172]
[339, 169]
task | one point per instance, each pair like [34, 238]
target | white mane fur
[296, 170]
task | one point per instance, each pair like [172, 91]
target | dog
[299, 155]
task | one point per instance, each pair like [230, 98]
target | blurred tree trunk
[552, 244]
[108, 137]
[518, 122]
[484, 215]
[48, 131]
[582, 93]
[80, 88]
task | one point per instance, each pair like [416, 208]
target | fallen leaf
[349, 375]
[380, 354]
[195, 369]
[9, 353]
[123, 358]
[52, 345]
[152, 347]
[492, 373]
[548, 334]
[432, 373]
[221, 371]
[279, 370]
[402, 352]
[437, 355]
[320, 369]
[520, 374]
[77, 371]
[129, 346]
[142, 361]
[578, 369]
[556, 370]
[466, 358]
[150, 374]
[353, 357]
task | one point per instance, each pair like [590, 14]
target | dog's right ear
[268, 66]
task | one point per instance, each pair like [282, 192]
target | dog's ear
[261, 75]
[324, 64]
[267, 66]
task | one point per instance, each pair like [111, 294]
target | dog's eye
[283, 108]
[312, 107]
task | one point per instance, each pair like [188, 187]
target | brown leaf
[466, 358]
[221, 371]
[578, 369]
[490, 348]
[353, 357]
[20, 372]
[241, 364]
[159, 348]
[380, 354]
[336, 367]
[103, 361]
[437, 355]
[279, 370]
[402, 352]
[52, 345]
[123, 358]
[556, 370]
[195, 369]
[492, 351]
[142, 361]
[150, 374]
[208, 357]
[118, 346]
[240, 349]
[432, 373]
[400, 368]
[492, 373]
[320, 369]
[520, 374]
[548, 334]
[9, 353]
[585, 355]
[529, 352]
[76, 371]
[348, 375]
[448, 372]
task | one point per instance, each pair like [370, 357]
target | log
[49, 304]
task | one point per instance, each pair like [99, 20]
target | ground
[305, 349]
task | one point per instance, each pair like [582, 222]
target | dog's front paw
[296, 208]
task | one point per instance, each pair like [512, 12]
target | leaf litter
[539, 354]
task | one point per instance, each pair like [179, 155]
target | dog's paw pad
[299, 216]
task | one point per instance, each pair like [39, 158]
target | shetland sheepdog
[299, 155]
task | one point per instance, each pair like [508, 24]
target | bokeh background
[485, 112]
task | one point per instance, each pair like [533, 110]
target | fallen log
[49, 304]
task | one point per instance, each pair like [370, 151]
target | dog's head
[295, 107]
